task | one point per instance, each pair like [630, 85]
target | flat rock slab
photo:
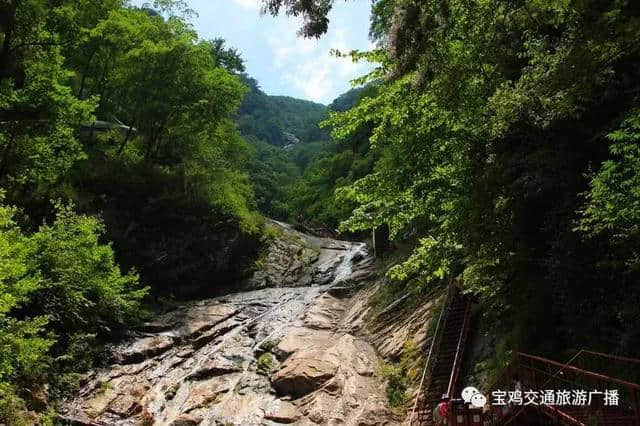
[194, 320]
[218, 366]
[186, 420]
[300, 338]
[303, 374]
[283, 412]
[141, 349]
[200, 364]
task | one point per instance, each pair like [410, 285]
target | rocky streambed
[292, 350]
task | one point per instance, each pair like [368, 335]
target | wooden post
[373, 239]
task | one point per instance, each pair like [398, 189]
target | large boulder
[303, 373]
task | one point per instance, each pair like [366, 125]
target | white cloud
[339, 40]
[286, 44]
[248, 4]
[281, 54]
[306, 64]
[319, 77]
[314, 79]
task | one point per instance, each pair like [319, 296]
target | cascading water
[201, 364]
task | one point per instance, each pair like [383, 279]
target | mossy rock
[171, 392]
[267, 345]
[267, 364]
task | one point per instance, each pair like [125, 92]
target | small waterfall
[345, 268]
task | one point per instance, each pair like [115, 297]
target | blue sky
[282, 62]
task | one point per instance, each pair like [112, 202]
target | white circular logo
[478, 400]
[468, 392]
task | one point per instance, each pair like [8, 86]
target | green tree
[61, 295]
[24, 345]
[613, 200]
[176, 168]
[38, 111]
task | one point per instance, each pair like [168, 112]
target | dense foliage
[60, 293]
[171, 183]
[312, 198]
[125, 112]
[285, 136]
[508, 140]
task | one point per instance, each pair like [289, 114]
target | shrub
[396, 386]
[61, 295]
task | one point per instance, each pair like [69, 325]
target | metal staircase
[445, 354]
[587, 370]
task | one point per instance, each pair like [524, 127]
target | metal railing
[425, 381]
[540, 374]
[457, 362]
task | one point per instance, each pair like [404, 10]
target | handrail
[633, 387]
[457, 359]
[517, 364]
[600, 354]
[587, 373]
[436, 335]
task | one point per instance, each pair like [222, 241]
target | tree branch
[39, 43]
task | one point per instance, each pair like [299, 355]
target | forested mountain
[297, 167]
[285, 135]
[280, 120]
[313, 198]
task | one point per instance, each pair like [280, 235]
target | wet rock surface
[288, 353]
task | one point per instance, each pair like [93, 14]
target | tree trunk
[84, 73]
[103, 78]
[147, 154]
[155, 141]
[6, 151]
[8, 20]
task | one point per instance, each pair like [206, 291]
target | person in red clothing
[442, 411]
